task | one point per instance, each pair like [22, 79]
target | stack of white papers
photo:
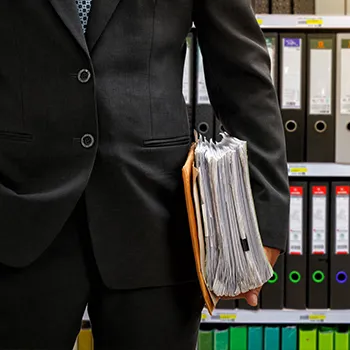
[233, 260]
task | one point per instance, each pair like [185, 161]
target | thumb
[252, 297]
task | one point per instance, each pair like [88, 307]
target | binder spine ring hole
[295, 277]
[320, 126]
[291, 125]
[203, 128]
[341, 277]
[318, 276]
[274, 278]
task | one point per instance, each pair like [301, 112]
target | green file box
[206, 340]
[325, 338]
[272, 338]
[255, 338]
[289, 338]
[221, 340]
[307, 338]
[341, 341]
[239, 338]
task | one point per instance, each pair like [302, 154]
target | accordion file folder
[190, 173]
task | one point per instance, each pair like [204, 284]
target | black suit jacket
[134, 108]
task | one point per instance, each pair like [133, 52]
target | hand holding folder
[229, 256]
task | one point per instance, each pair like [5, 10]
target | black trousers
[41, 306]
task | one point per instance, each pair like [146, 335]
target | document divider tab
[292, 93]
[295, 271]
[204, 119]
[272, 293]
[320, 140]
[318, 246]
[289, 338]
[342, 127]
[340, 258]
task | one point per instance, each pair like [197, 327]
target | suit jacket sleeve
[240, 87]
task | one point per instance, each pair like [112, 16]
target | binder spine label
[321, 77]
[186, 89]
[319, 208]
[291, 75]
[296, 221]
[345, 78]
[202, 92]
[342, 220]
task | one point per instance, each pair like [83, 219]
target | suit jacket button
[84, 76]
[87, 141]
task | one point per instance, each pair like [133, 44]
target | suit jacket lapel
[101, 13]
[67, 10]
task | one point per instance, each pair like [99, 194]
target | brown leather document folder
[189, 175]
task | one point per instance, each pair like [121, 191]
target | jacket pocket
[15, 136]
[168, 142]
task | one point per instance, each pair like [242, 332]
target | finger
[252, 297]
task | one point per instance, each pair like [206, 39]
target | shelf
[274, 316]
[319, 169]
[278, 316]
[303, 21]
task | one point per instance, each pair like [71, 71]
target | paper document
[229, 254]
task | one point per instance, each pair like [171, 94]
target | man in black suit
[93, 135]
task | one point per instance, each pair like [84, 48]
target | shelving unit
[303, 21]
[319, 169]
[278, 316]
[273, 316]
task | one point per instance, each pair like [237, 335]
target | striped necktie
[84, 7]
